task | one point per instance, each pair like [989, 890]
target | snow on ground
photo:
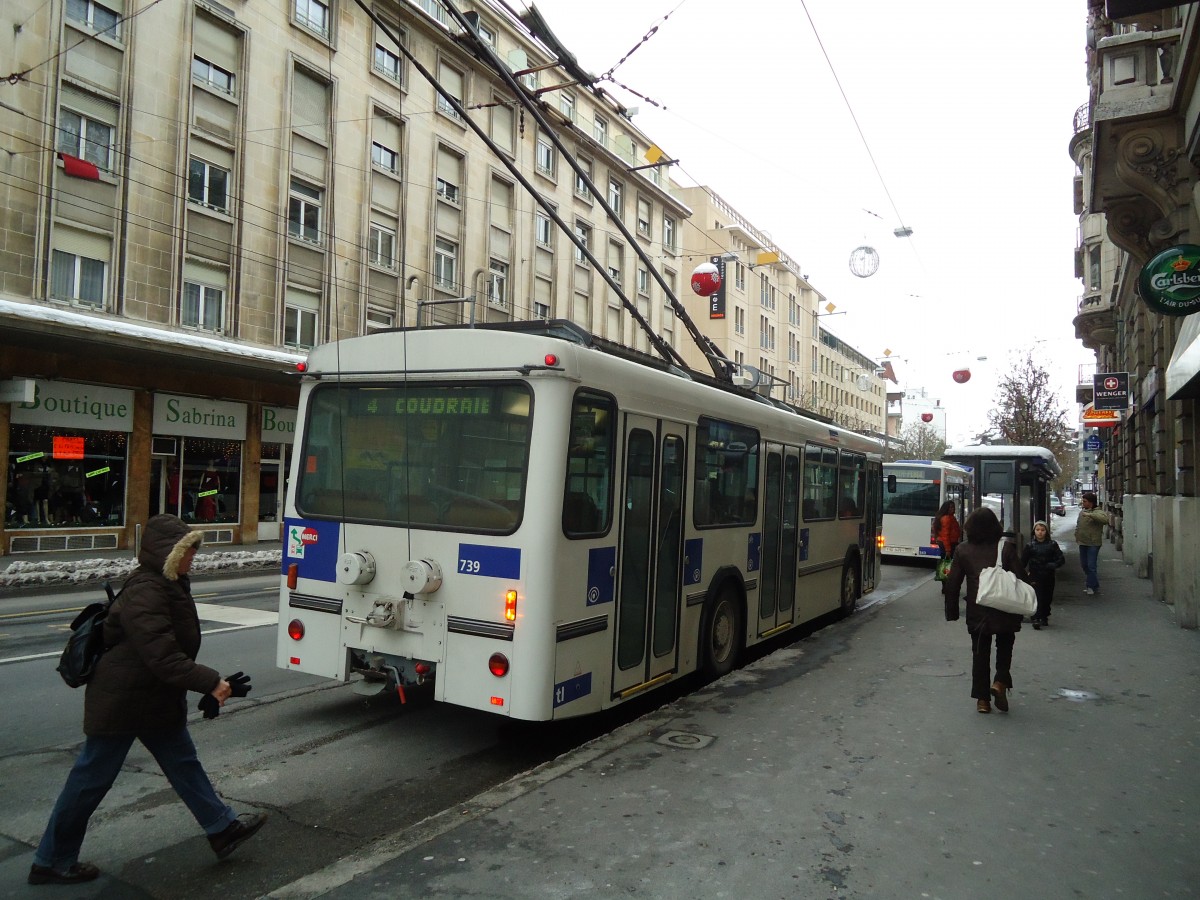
[39, 572]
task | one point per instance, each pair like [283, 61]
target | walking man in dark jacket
[139, 692]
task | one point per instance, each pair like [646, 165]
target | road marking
[234, 615]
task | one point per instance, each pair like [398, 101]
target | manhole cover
[684, 740]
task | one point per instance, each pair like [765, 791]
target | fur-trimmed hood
[165, 542]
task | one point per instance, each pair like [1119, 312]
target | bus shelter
[1014, 481]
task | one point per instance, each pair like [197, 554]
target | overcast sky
[967, 109]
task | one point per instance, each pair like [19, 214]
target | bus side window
[580, 515]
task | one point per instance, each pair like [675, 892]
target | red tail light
[295, 629]
[498, 665]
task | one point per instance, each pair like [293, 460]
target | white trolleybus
[913, 491]
[546, 524]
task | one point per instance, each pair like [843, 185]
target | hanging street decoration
[706, 279]
[1170, 283]
[864, 261]
[961, 376]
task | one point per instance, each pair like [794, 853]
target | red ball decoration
[926, 417]
[706, 279]
[962, 376]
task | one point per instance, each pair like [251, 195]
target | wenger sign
[1110, 390]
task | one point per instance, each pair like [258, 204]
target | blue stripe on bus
[572, 689]
[493, 562]
[601, 576]
[753, 551]
[693, 551]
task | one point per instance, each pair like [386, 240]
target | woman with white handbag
[981, 550]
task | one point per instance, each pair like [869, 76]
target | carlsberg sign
[1170, 282]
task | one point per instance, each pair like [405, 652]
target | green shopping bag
[943, 569]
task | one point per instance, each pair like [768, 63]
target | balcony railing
[1083, 118]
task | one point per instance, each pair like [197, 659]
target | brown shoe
[983, 706]
[999, 692]
[73, 874]
[241, 830]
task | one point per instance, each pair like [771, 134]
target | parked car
[1059, 510]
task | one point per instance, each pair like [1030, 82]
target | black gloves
[239, 686]
[209, 706]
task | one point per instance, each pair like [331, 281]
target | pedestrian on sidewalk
[984, 535]
[946, 531]
[1040, 558]
[1089, 535]
[139, 692]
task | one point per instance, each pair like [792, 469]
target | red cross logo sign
[1110, 384]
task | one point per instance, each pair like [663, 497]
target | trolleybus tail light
[302, 367]
[422, 668]
[551, 359]
[293, 575]
[880, 541]
[498, 665]
[510, 606]
[295, 629]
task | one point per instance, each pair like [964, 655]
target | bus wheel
[721, 633]
[850, 589]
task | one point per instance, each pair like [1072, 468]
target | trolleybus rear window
[430, 456]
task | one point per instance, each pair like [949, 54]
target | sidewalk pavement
[853, 764]
[30, 571]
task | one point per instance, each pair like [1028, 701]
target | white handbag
[1003, 590]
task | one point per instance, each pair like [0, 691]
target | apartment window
[208, 185]
[497, 289]
[381, 247]
[1093, 280]
[545, 157]
[739, 276]
[541, 310]
[763, 290]
[643, 217]
[85, 138]
[304, 212]
[583, 231]
[566, 105]
[387, 63]
[616, 197]
[739, 320]
[581, 188]
[643, 281]
[451, 84]
[212, 75]
[543, 232]
[201, 306]
[445, 263]
[94, 16]
[313, 15]
[668, 234]
[600, 131]
[379, 319]
[299, 326]
[447, 190]
[486, 34]
[77, 278]
[383, 157]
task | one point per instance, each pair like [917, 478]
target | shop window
[202, 482]
[65, 477]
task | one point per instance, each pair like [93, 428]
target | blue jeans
[1088, 557]
[94, 773]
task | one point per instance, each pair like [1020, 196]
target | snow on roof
[109, 325]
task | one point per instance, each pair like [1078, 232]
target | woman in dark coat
[139, 692]
[984, 534]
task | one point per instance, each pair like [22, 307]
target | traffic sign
[1093, 443]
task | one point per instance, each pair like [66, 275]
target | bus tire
[850, 587]
[721, 632]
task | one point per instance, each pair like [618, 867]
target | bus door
[872, 525]
[651, 550]
[781, 510]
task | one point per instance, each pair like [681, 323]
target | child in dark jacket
[1041, 557]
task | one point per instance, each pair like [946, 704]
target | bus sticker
[491, 562]
[803, 544]
[572, 689]
[693, 551]
[602, 563]
[753, 549]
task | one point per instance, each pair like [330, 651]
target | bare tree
[1029, 413]
[917, 441]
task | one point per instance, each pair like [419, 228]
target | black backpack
[85, 646]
